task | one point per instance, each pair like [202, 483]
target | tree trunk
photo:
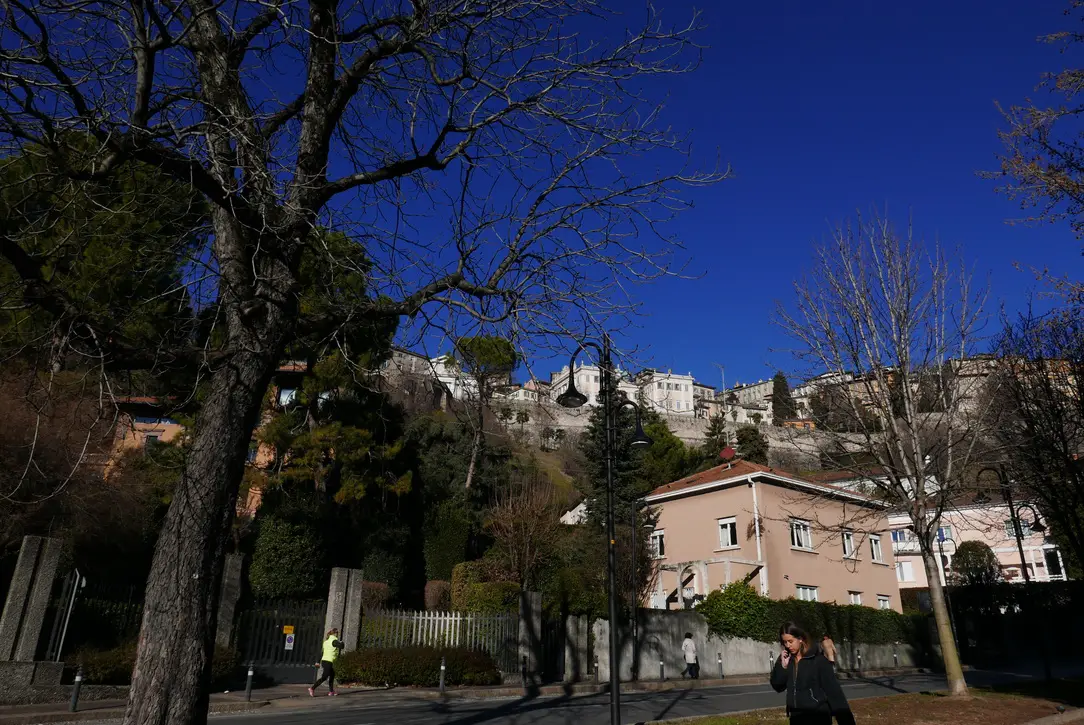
[171, 680]
[954, 671]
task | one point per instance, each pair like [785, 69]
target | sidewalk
[295, 696]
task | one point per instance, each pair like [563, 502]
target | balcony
[905, 547]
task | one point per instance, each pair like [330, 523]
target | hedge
[738, 611]
[471, 594]
[417, 667]
[114, 666]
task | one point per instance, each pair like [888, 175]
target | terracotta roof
[737, 469]
[740, 469]
[833, 476]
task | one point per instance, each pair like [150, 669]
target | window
[800, 535]
[856, 597]
[943, 533]
[686, 388]
[806, 594]
[253, 450]
[848, 544]
[728, 533]
[901, 535]
[883, 602]
[875, 547]
[669, 386]
[678, 405]
[1010, 532]
[658, 544]
[905, 571]
[287, 396]
[658, 386]
[150, 441]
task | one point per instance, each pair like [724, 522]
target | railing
[496, 634]
[905, 547]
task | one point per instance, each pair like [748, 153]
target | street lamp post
[573, 398]
[948, 596]
[1018, 533]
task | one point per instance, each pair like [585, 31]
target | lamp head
[640, 439]
[1038, 527]
[571, 398]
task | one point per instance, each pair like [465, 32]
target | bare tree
[525, 522]
[881, 315]
[1041, 415]
[475, 150]
[1043, 162]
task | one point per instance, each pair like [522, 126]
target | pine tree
[783, 407]
[752, 445]
[637, 471]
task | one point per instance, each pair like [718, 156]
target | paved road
[355, 709]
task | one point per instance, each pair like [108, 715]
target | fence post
[75, 690]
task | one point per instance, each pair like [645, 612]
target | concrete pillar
[28, 598]
[577, 652]
[344, 606]
[228, 598]
[530, 632]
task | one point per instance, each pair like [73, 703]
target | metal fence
[495, 634]
[281, 633]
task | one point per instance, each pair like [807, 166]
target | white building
[589, 382]
[667, 392]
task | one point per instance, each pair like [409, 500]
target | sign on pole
[289, 641]
[288, 629]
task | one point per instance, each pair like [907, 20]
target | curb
[221, 708]
[1061, 717]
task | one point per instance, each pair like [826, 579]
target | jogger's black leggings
[327, 672]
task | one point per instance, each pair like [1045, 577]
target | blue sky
[824, 109]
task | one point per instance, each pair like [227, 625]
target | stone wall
[790, 449]
[661, 633]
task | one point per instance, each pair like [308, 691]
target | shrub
[282, 560]
[417, 667]
[491, 598]
[438, 596]
[464, 574]
[374, 595]
[446, 540]
[738, 611]
[114, 666]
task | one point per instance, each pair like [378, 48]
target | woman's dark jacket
[812, 687]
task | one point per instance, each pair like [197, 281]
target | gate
[553, 649]
[282, 638]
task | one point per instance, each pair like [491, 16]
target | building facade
[785, 535]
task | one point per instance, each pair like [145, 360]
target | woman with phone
[814, 695]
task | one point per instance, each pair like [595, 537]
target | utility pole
[722, 377]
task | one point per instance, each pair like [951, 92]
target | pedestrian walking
[829, 648]
[692, 663]
[331, 647]
[814, 695]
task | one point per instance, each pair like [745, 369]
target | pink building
[988, 523]
[785, 535]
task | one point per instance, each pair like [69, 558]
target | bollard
[442, 667]
[662, 670]
[248, 684]
[859, 653]
[524, 670]
[75, 690]
[771, 662]
[721, 675]
[596, 670]
[895, 656]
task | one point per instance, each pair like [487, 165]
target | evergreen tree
[783, 407]
[752, 445]
[716, 437]
[637, 470]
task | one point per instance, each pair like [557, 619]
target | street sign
[289, 641]
[288, 629]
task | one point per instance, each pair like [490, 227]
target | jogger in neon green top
[330, 653]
